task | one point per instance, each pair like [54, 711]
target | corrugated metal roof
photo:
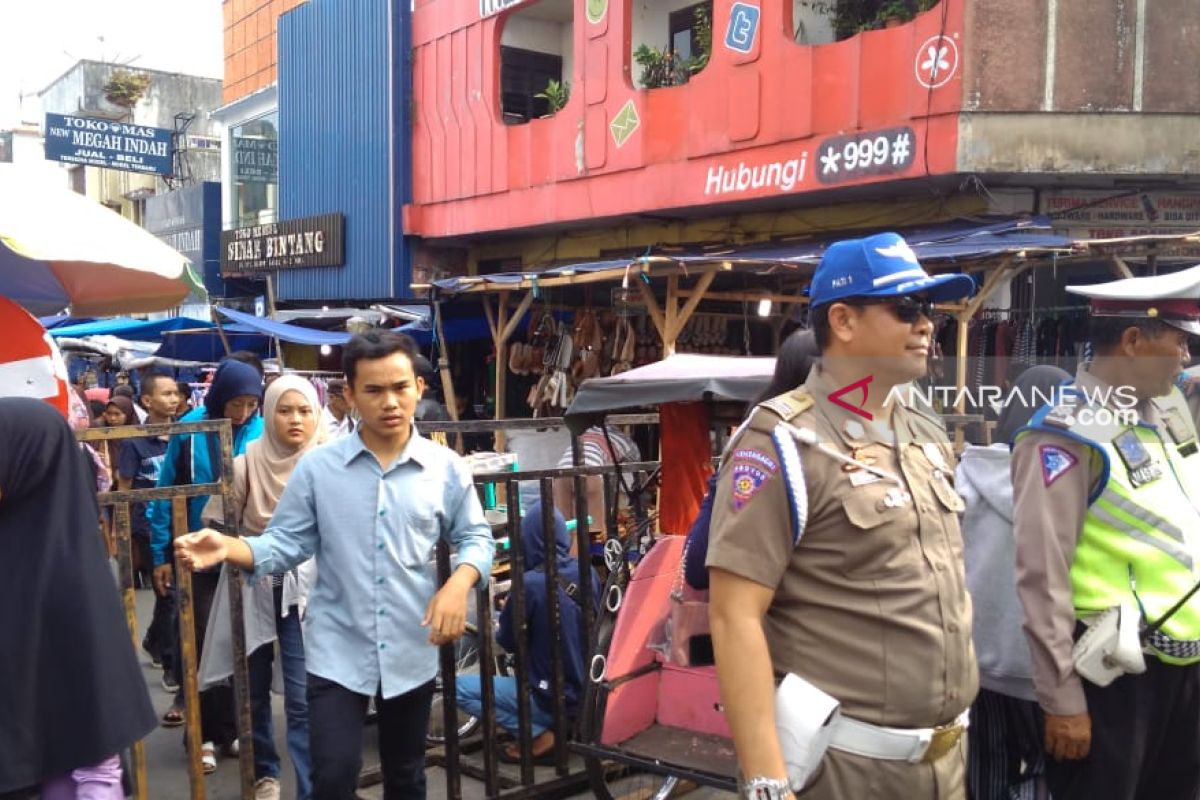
[344, 140]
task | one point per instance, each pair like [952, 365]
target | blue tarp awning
[942, 246]
[62, 319]
[137, 330]
[285, 332]
[206, 346]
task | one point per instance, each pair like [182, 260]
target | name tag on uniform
[1139, 464]
[861, 477]
[935, 455]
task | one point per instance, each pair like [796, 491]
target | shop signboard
[109, 143]
[255, 159]
[1108, 214]
[298, 243]
[189, 220]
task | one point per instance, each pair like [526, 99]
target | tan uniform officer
[837, 557]
[1106, 490]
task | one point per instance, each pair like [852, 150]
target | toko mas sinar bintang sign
[109, 143]
[310, 242]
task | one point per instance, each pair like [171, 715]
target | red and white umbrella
[30, 364]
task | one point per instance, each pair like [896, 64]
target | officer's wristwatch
[761, 788]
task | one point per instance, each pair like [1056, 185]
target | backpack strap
[569, 587]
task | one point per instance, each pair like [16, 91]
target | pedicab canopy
[682, 377]
[678, 385]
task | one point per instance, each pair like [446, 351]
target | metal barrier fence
[178, 497]
[635, 481]
[619, 546]
[565, 725]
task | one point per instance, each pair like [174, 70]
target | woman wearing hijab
[119, 411]
[1005, 750]
[292, 422]
[71, 691]
[234, 394]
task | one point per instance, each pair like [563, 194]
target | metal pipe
[237, 627]
[449, 688]
[487, 690]
[129, 600]
[554, 608]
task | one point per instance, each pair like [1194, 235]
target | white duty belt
[914, 745]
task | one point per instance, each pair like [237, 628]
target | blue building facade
[344, 95]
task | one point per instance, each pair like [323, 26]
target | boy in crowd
[138, 464]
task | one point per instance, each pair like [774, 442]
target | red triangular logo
[835, 397]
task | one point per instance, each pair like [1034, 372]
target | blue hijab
[232, 379]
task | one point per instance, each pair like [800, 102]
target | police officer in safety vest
[1106, 487]
[840, 617]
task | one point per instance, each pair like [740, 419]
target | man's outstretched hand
[203, 549]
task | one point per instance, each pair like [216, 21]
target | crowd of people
[888, 619]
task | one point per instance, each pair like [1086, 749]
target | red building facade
[765, 120]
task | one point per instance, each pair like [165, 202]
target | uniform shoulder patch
[747, 479]
[1056, 462]
[789, 405]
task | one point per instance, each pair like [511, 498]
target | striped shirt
[596, 452]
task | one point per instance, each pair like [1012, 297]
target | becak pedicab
[651, 722]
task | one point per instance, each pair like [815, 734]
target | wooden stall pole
[694, 297]
[672, 313]
[501, 344]
[237, 627]
[502, 331]
[271, 314]
[444, 365]
[656, 314]
[128, 598]
[216, 318]
[187, 644]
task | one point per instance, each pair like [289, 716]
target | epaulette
[1058, 416]
[790, 405]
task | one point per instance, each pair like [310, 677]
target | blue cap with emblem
[880, 266]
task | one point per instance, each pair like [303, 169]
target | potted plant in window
[895, 13]
[556, 95]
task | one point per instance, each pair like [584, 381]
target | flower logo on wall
[936, 61]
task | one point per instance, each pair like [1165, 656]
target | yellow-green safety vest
[1141, 535]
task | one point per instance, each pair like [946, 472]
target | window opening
[824, 21]
[256, 170]
[672, 41]
[536, 60]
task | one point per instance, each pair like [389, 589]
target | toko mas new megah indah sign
[109, 143]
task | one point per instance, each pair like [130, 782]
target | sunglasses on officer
[907, 308]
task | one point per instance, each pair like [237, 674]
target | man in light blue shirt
[371, 507]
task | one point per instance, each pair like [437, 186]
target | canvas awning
[142, 330]
[678, 378]
[295, 334]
